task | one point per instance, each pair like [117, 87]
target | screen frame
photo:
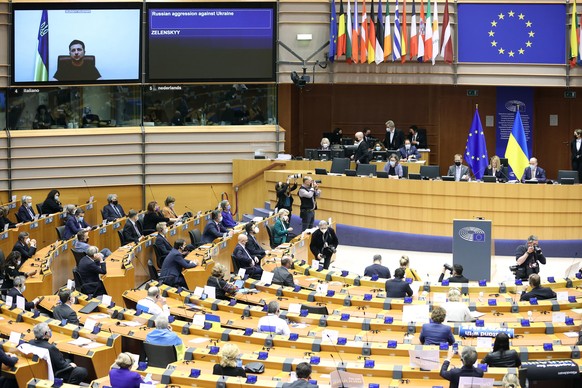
[240, 5]
[37, 6]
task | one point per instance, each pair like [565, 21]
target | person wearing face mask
[323, 243]
[393, 167]
[362, 155]
[214, 228]
[64, 310]
[230, 362]
[227, 220]
[113, 210]
[308, 194]
[25, 246]
[82, 244]
[459, 170]
[379, 147]
[368, 138]
[416, 138]
[163, 335]
[168, 210]
[18, 290]
[534, 172]
[325, 144]
[409, 151]
[284, 197]
[154, 303]
[528, 258]
[174, 264]
[26, 212]
[132, 230]
[90, 267]
[394, 137]
[52, 203]
[5, 222]
[162, 244]
[11, 270]
[281, 228]
[253, 246]
[75, 224]
[154, 217]
[576, 148]
[251, 264]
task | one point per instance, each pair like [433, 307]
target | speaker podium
[473, 247]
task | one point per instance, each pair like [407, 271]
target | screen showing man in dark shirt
[78, 68]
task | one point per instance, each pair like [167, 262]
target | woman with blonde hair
[224, 289]
[230, 362]
[281, 228]
[496, 169]
[409, 273]
[510, 381]
[121, 376]
[457, 311]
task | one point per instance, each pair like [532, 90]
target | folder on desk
[89, 308]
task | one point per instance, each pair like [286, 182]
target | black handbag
[255, 367]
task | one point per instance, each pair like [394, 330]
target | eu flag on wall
[476, 149]
[41, 61]
[512, 33]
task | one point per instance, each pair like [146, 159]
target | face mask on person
[256, 230]
[532, 166]
[27, 241]
[23, 289]
[227, 207]
[115, 202]
[157, 208]
[378, 148]
[56, 197]
[165, 231]
[392, 163]
[81, 219]
[219, 219]
[29, 204]
[323, 229]
[285, 218]
[18, 263]
[457, 164]
[407, 146]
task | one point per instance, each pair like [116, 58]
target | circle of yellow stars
[523, 46]
[473, 157]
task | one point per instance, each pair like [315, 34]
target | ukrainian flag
[41, 62]
[516, 151]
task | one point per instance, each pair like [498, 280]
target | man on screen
[78, 68]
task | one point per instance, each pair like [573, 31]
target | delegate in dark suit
[362, 155]
[132, 232]
[283, 277]
[112, 212]
[501, 175]
[244, 260]
[26, 252]
[539, 293]
[90, 270]
[377, 269]
[6, 382]
[539, 174]
[212, 231]
[300, 384]
[405, 153]
[576, 152]
[14, 292]
[397, 288]
[418, 137]
[397, 140]
[25, 213]
[73, 226]
[64, 311]
[163, 246]
[172, 268]
[458, 171]
[254, 248]
[324, 243]
[455, 374]
[75, 375]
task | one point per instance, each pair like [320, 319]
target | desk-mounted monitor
[430, 172]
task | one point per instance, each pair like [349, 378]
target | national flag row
[575, 44]
[363, 38]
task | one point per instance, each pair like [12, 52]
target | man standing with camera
[528, 258]
[308, 194]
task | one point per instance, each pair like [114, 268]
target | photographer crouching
[323, 243]
[528, 258]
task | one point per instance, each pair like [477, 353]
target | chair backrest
[366, 169]
[102, 214]
[339, 165]
[270, 234]
[158, 254]
[39, 207]
[121, 238]
[77, 278]
[152, 270]
[405, 171]
[195, 237]
[235, 267]
[60, 232]
[160, 355]
[18, 218]
[78, 255]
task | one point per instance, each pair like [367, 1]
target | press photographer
[528, 258]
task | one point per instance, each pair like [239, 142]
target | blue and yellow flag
[42, 56]
[516, 151]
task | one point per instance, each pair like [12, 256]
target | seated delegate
[113, 210]
[175, 263]
[223, 290]
[502, 356]
[398, 287]
[468, 358]
[435, 332]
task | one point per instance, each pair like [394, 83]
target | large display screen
[222, 42]
[76, 43]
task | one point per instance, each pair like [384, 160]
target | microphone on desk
[337, 368]
[88, 189]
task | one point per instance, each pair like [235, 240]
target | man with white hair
[25, 212]
[154, 303]
[90, 267]
[245, 260]
[324, 243]
[534, 172]
[271, 323]
[362, 154]
[113, 210]
[72, 374]
[394, 137]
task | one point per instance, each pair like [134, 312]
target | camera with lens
[294, 176]
[537, 249]
[318, 182]
[448, 267]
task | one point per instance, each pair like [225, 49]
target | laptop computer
[89, 307]
[489, 178]
[320, 171]
[414, 177]
[381, 174]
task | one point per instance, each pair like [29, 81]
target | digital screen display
[229, 42]
[74, 44]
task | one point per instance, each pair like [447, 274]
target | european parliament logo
[512, 33]
[472, 234]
